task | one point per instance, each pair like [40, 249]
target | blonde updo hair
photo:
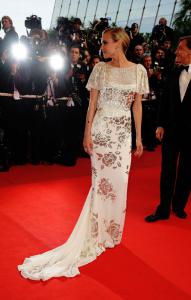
[119, 34]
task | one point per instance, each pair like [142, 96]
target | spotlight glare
[56, 62]
[19, 51]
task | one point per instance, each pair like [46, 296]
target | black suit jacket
[174, 115]
[10, 38]
[6, 79]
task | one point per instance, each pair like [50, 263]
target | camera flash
[56, 62]
[19, 51]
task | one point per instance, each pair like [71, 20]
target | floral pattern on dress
[94, 171]
[105, 189]
[127, 169]
[94, 225]
[113, 229]
[100, 139]
[123, 123]
[110, 159]
[119, 98]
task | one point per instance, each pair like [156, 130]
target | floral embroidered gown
[101, 221]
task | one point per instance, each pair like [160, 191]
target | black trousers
[175, 180]
[16, 129]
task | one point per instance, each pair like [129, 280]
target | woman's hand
[139, 148]
[87, 144]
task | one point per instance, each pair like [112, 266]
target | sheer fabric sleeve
[142, 80]
[95, 79]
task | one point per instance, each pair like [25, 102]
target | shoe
[180, 214]
[48, 162]
[155, 217]
[4, 168]
[19, 162]
[84, 154]
[35, 162]
[68, 162]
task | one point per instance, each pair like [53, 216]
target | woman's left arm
[137, 114]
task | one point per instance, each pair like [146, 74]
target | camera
[158, 67]
[160, 33]
[65, 26]
[65, 30]
[33, 22]
[102, 25]
[95, 34]
[161, 27]
[94, 42]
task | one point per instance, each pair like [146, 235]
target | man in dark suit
[11, 35]
[174, 129]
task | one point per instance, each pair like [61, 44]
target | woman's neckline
[126, 67]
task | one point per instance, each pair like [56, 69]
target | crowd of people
[43, 110]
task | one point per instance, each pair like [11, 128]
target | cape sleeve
[142, 80]
[95, 81]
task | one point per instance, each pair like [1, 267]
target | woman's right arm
[87, 142]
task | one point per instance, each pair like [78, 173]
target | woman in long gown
[113, 87]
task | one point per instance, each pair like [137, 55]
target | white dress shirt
[184, 80]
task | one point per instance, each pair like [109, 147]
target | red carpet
[39, 206]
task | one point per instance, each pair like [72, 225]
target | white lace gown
[101, 221]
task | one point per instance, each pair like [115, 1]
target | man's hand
[14, 68]
[159, 133]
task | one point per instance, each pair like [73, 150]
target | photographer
[11, 35]
[38, 41]
[169, 54]
[31, 76]
[150, 103]
[79, 39]
[159, 63]
[70, 32]
[138, 54]
[135, 37]
[5, 87]
[76, 25]
[12, 82]
[6, 82]
[93, 42]
[78, 79]
[38, 115]
[161, 32]
[101, 25]
[65, 31]
[94, 36]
